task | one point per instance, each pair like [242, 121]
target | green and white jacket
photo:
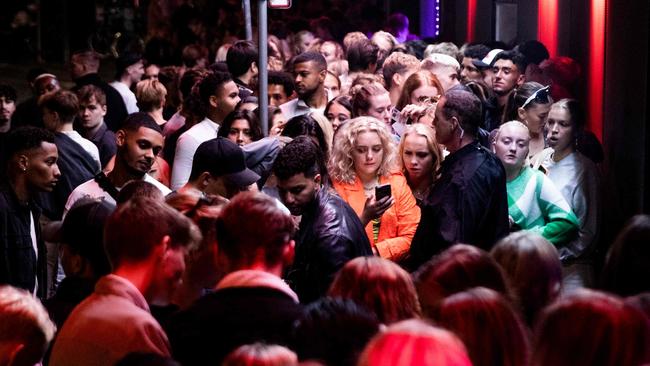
[535, 204]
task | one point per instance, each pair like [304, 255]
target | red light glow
[471, 20]
[596, 67]
[547, 25]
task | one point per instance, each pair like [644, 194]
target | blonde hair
[341, 164]
[380, 285]
[150, 94]
[23, 318]
[351, 38]
[326, 126]
[428, 133]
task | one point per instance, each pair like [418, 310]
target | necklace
[369, 187]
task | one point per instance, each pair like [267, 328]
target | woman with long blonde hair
[364, 157]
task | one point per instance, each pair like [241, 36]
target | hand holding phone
[382, 191]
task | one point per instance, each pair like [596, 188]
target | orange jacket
[398, 223]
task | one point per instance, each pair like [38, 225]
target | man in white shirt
[138, 142]
[219, 96]
[129, 70]
[309, 72]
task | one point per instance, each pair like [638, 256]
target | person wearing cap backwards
[31, 167]
[138, 143]
[82, 255]
[484, 65]
[219, 168]
[129, 69]
[469, 71]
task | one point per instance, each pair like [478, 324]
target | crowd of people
[412, 204]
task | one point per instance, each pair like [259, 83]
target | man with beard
[330, 232]
[139, 140]
[31, 167]
[309, 72]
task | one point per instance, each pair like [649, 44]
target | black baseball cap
[223, 158]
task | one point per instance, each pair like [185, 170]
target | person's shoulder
[163, 188]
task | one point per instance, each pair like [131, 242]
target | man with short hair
[219, 96]
[59, 111]
[28, 113]
[147, 266]
[362, 56]
[242, 65]
[281, 88]
[129, 68]
[508, 68]
[84, 70]
[251, 303]
[468, 203]
[330, 232]
[25, 329]
[309, 71]
[31, 168]
[469, 71]
[91, 125]
[138, 143]
[219, 168]
[7, 106]
[397, 68]
[446, 69]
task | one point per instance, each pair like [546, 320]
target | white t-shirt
[127, 95]
[92, 189]
[186, 146]
[87, 145]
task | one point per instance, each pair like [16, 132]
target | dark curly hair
[299, 156]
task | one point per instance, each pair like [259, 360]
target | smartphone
[382, 191]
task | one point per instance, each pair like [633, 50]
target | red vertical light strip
[547, 25]
[471, 20]
[596, 67]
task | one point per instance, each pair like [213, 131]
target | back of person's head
[591, 328]
[362, 55]
[517, 58]
[192, 55]
[334, 331]
[351, 38]
[380, 285]
[415, 81]
[626, 267]
[532, 266]
[82, 231]
[311, 56]
[126, 241]
[253, 229]
[189, 79]
[63, 102]
[135, 121]
[89, 59]
[300, 156]
[457, 269]
[240, 57]
[534, 51]
[139, 188]
[87, 92]
[414, 342]
[259, 354]
[476, 51]
[397, 22]
[361, 98]
[150, 94]
[488, 326]
[282, 78]
[466, 107]
[146, 359]
[443, 48]
[398, 63]
[25, 328]
[305, 125]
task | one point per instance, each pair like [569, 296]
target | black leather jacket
[330, 234]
